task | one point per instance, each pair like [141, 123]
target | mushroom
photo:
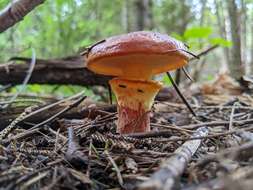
[134, 58]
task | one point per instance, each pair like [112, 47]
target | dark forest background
[63, 28]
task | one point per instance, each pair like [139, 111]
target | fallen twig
[166, 177]
[235, 151]
[73, 154]
[67, 108]
[50, 119]
[120, 179]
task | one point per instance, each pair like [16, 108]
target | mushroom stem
[134, 101]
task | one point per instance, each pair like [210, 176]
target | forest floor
[48, 147]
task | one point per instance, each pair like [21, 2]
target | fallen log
[69, 70]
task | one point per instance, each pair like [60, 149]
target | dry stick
[21, 100]
[205, 51]
[217, 123]
[119, 176]
[172, 127]
[26, 177]
[25, 81]
[54, 104]
[220, 107]
[175, 139]
[16, 11]
[67, 108]
[36, 127]
[74, 155]
[187, 74]
[231, 119]
[34, 179]
[246, 147]
[167, 133]
[180, 94]
[162, 133]
[171, 170]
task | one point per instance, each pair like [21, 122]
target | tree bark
[144, 16]
[243, 21]
[70, 70]
[16, 11]
[251, 47]
[235, 65]
[222, 28]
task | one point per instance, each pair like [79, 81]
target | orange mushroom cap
[137, 55]
[134, 58]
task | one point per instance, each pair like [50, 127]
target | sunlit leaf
[221, 42]
[198, 32]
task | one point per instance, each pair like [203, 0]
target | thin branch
[16, 11]
[119, 176]
[181, 95]
[204, 52]
[67, 108]
[187, 74]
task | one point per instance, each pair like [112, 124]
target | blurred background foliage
[61, 28]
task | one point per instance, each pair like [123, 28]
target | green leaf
[221, 42]
[197, 32]
[166, 80]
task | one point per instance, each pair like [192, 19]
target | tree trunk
[144, 16]
[222, 28]
[125, 16]
[196, 70]
[243, 22]
[251, 48]
[235, 65]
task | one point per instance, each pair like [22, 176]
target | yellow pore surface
[135, 94]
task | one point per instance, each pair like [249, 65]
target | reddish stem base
[132, 121]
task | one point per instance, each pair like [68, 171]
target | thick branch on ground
[16, 11]
[69, 70]
[171, 170]
[85, 109]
